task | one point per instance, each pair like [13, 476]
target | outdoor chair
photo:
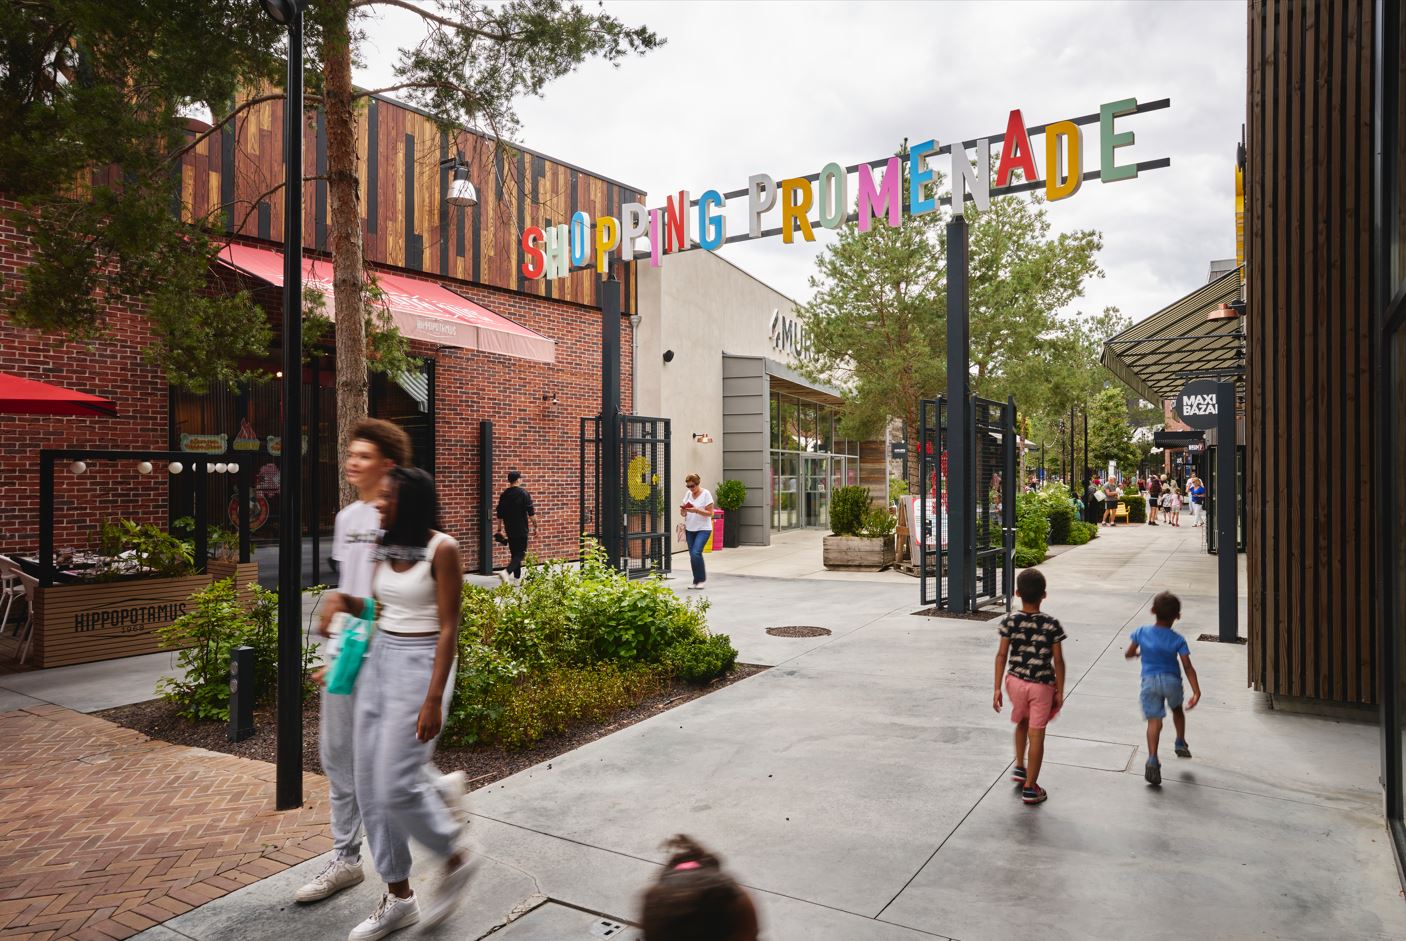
[30, 585]
[10, 589]
[1120, 515]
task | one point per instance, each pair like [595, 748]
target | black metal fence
[993, 448]
[642, 532]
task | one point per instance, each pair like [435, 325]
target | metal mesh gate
[992, 448]
[642, 532]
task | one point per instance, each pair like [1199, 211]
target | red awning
[29, 397]
[421, 309]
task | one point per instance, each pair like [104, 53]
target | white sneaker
[339, 873]
[449, 893]
[504, 577]
[391, 915]
[454, 792]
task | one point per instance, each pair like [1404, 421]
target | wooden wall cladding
[230, 180]
[1313, 505]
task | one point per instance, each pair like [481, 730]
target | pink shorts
[1033, 701]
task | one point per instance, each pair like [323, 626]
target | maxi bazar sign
[682, 223]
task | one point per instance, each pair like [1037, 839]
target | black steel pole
[485, 498]
[1086, 443]
[961, 520]
[1009, 490]
[610, 477]
[315, 467]
[289, 776]
[1226, 556]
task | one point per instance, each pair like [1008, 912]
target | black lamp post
[289, 777]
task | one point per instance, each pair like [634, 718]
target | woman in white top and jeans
[697, 513]
[402, 697]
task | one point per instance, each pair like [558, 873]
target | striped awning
[1157, 356]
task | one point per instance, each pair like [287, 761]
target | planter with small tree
[862, 538]
[729, 496]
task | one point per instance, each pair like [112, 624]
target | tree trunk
[344, 231]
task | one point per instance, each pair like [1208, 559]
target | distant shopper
[1032, 662]
[374, 448]
[517, 519]
[1160, 647]
[1110, 503]
[697, 513]
[1154, 499]
[404, 691]
[1196, 490]
[695, 899]
[1093, 503]
[1175, 504]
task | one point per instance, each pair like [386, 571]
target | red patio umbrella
[28, 397]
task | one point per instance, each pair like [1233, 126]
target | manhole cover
[798, 631]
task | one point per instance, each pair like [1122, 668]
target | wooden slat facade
[1313, 504]
[229, 179]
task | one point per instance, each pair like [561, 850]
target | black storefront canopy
[1177, 439]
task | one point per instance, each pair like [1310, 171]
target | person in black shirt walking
[517, 518]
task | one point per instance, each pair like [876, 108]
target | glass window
[790, 427]
[809, 426]
[775, 421]
[827, 429]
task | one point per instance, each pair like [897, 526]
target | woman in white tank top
[402, 696]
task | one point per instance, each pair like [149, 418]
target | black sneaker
[1183, 750]
[1034, 795]
[1153, 772]
[1018, 774]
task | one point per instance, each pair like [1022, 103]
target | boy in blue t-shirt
[1161, 678]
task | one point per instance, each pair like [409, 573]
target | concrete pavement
[860, 788]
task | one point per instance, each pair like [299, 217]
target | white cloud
[784, 88]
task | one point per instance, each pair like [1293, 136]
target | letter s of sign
[534, 264]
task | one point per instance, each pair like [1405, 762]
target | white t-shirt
[695, 522]
[354, 538]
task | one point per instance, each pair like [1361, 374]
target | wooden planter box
[858, 553]
[81, 623]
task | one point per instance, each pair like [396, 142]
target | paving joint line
[651, 862]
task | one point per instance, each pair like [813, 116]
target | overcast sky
[785, 87]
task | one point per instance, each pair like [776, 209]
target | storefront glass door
[816, 505]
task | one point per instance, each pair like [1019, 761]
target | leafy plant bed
[1215, 639]
[483, 764]
[955, 616]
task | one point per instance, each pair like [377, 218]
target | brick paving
[105, 832]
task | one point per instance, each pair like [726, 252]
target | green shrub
[1061, 519]
[519, 713]
[878, 521]
[1137, 507]
[898, 487]
[1082, 532]
[574, 643]
[848, 505]
[1032, 529]
[216, 621]
[730, 495]
[701, 660]
[157, 552]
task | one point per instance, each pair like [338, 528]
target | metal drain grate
[798, 631]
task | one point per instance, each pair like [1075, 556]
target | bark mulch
[483, 764]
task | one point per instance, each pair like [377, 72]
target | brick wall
[112, 367]
[531, 435]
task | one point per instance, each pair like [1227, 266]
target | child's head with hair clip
[694, 899]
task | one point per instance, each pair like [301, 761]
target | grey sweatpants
[398, 798]
[336, 737]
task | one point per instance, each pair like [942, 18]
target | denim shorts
[1160, 692]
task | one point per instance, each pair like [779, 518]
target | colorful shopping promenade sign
[683, 223]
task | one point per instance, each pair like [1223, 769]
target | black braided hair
[701, 903]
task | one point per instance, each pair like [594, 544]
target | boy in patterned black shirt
[1032, 664]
